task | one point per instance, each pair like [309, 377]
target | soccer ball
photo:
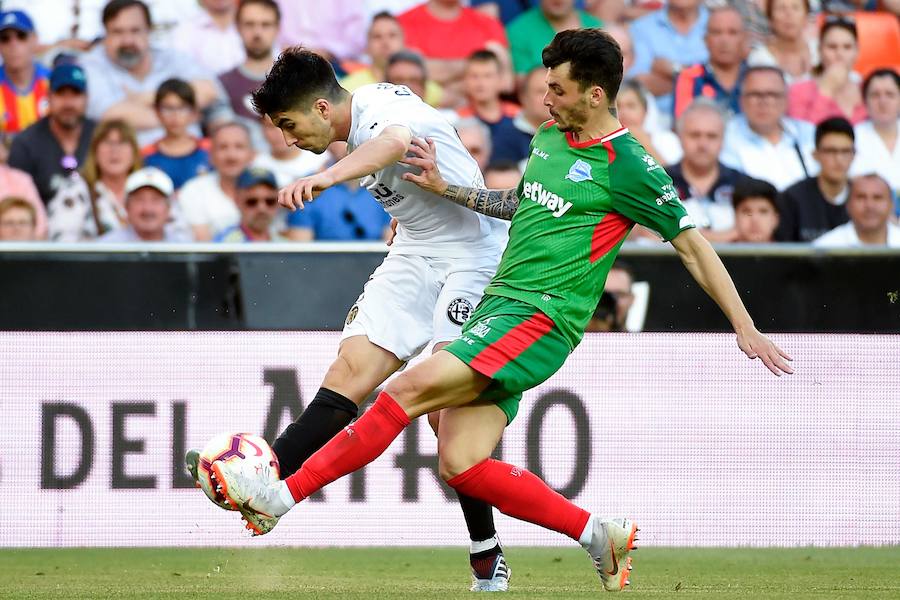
[249, 451]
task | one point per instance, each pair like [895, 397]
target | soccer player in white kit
[442, 257]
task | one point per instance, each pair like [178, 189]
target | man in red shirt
[446, 33]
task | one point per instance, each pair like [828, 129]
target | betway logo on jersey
[535, 192]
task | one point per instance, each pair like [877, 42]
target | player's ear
[598, 96]
[322, 107]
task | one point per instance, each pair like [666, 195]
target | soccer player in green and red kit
[587, 182]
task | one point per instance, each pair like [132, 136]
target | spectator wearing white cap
[148, 203]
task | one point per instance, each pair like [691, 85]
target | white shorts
[411, 300]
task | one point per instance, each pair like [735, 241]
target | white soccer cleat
[612, 541]
[490, 574]
[259, 501]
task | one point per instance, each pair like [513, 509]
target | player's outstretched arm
[707, 269]
[501, 204]
[377, 153]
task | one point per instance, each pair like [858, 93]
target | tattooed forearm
[493, 203]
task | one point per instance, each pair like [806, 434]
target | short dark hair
[623, 266]
[270, 4]
[748, 187]
[834, 125]
[483, 56]
[594, 58]
[296, 80]
[381, 15]
[770, 7]
[406, 56]
[114, 7]
[838, 22]
[178, 87]
[890, 73]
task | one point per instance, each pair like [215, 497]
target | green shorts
[514, 344]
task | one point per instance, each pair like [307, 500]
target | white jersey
[429, 225]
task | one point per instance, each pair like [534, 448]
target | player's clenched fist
[423, 154]
[304, 190]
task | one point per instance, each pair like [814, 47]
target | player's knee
[455, 462]
[408, 387]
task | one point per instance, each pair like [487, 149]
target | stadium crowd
[130, 121]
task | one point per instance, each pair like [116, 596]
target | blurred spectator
[384, 41]
[870, 207]
[482, 86]
[834, 90]
[24, 82]
[94, 202]
[124, 72]
[257, 24]
[61, 25]
[877, 149]
[531, 31]
[720, 77]
[631, 103]
[288, 163]
[815, 205]
[755, 211]
[764, 143]
[178, 154]
[51, 149]
[257, 199]
[446, 33]
[476, 137]
[787, 47]
[502, 175]
[345, 212]
[392, 7]
[511, 141]
[208, 200]
[333, 28]
[604, 318]
[14, 182]
[18, 220]
[407, 68]
[148, 200]
[623, 38]
[703, 183]
[665, 41]
[619, 283]
[210, 38]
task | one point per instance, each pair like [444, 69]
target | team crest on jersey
[354, 310]
[580, 171]
[459, 311]
[651, 163]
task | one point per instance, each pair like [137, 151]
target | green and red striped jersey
[577, 204]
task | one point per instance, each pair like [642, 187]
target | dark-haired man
[587, 182]
[431, 280]
[124, 72]
[818, 204]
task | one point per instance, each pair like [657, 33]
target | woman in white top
[877, 147]
[787, 47]
[631, 104]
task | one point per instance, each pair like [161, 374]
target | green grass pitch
[426, 573]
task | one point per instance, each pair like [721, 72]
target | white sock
[483, 545]
[284, 492]
[588, 533]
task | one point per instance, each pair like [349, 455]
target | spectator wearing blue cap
[24, 82]
[257, 201]
[52, 149]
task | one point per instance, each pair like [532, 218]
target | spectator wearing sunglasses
[345, 212]
[24, 82]
[257, 201]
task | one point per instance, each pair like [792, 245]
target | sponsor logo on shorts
[482, 328]
[354, 310]
[459, 311]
